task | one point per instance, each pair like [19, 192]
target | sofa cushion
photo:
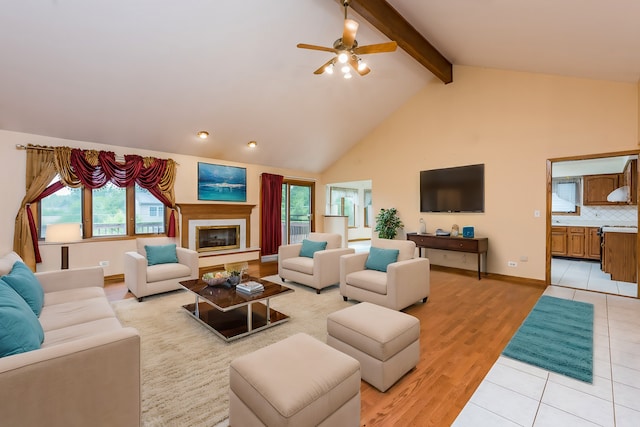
[25, 283]
[379, 258]
[74, 313]
[162, 254]
[82, 330]
[299, 264]
[156, 273]
[7, 261]
[309, 247]
[78, 294]
[20, 330]
[370, 280]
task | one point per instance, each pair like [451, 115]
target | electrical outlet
[512, 264]
[536, 213]
[104, 263]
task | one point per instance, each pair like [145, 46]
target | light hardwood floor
[464, 327]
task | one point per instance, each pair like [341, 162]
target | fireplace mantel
[193, 211]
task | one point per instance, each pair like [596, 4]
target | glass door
[297, 210]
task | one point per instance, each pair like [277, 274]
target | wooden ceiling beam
[393, 25]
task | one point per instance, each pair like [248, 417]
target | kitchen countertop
[620, 229]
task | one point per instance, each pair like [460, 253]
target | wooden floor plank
[464, 326]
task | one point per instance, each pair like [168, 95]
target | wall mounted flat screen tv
[457, 189]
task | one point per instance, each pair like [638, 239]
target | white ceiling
[151, 73]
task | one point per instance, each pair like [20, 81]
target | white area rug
[185, 367]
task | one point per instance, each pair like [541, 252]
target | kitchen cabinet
[559, 241]
[593, 243]
[619, 256]
[596, 188]
[575, 242]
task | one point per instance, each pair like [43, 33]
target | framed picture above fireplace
[222, 183]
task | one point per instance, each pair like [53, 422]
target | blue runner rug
[558, 336]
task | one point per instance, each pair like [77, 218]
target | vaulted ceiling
[152, 73]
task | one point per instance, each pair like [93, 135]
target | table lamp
[63, 233]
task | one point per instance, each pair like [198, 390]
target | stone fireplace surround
[200, 214]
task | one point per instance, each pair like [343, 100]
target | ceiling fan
[347, 50]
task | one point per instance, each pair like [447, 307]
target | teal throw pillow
[20, 331]
[379, 258]
[309, 247]
[25, 283]
[161, 254]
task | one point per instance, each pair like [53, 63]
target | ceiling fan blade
[376, 48]
[314, 47]
[321, 69]
[349, 33]
[355, 65]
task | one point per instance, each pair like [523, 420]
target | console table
[475, 245]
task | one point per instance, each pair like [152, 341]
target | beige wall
[83, 254]
[512, 122]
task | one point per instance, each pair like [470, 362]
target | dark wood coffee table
[232, 314]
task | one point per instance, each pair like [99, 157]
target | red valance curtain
[91, 169]
[94, 169]
[271, 206]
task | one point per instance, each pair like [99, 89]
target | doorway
[580, 209]
[297, 210]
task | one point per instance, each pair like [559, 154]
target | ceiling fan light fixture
[361, 65]
[329, 69]
[345, 69]
[347, 75]
[343, 57]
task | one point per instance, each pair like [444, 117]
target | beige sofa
[405, 282]
[143, 279]
[87, 370]
[319, 272]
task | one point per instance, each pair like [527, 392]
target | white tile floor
[517, 394]
[584, 274]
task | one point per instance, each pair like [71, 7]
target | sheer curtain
[271, 230]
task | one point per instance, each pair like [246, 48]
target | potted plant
[387, 223]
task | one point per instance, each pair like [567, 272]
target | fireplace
[217, 237]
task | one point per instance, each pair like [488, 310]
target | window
[344, 202]
[565, 196]
[149, 212]
[368, 209]
[110, 211]
[65, 205]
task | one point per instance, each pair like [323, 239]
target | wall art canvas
[222, 183]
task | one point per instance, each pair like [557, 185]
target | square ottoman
[386, 342]
[299, 381]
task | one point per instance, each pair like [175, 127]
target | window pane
[344, 202]
[299, 212]
[109, 211]
[63, 206]
[149, 212]
[565, 195]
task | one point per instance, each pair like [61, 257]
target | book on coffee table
[250, 287]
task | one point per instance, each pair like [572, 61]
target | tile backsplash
[602, 215]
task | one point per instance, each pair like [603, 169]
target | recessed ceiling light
[203, 134]
[252, 144]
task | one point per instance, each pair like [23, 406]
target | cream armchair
[319, 272]
[405, 282]
[143, 279]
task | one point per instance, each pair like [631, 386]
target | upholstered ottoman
[298, 381]
[386, 342]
